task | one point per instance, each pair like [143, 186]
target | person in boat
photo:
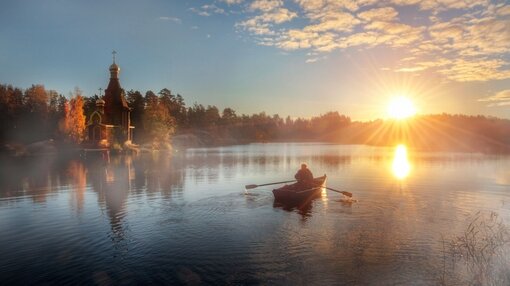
[304, 177]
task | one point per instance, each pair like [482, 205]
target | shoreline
[51, 148]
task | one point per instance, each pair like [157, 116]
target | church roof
[115, 93]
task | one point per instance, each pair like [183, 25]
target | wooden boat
[296, 192]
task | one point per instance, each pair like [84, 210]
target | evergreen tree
[159, 125]
[137, 104]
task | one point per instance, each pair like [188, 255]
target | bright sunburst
[401, 107]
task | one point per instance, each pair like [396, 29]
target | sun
[401, 107]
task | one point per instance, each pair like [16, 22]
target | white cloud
[315, 59]
[232, 2]
[500, 97]
[200, 12]
[335, 21]
[171, 19]
[504, 11]
[379, 14]
[480, 70]
[265, 5]
[256, 28]
[411, 69]
[441, 5]
[207, 10]
[263, 24]
[277, 16]
[472, 43]
[314, 8]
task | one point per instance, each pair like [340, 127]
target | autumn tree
[73, 123]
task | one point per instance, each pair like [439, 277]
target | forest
[163, 119]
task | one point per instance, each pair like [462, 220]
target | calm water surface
[189, 220]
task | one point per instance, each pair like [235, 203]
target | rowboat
[296, 192]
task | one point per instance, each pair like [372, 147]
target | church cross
[100, 89]
[114, 53]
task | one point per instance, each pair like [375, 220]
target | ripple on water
[200, 227]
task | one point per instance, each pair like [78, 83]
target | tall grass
[479, 255]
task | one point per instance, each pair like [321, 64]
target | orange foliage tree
[73, 123]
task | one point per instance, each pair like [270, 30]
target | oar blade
[249, 187]
[347, 194]
[341, 192]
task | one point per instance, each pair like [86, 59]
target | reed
[479, 254]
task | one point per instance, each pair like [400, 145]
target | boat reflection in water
[303, 208]
[400, 165]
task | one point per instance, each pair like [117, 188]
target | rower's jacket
[304, 176]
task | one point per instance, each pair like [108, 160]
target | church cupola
[114, 68]
[100, 105]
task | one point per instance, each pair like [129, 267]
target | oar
[341, 192]
[331, 189]
[249, 187]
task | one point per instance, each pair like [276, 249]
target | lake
[187, 219]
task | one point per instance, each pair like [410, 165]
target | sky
[300, 58]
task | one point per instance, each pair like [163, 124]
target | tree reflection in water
[122, 177]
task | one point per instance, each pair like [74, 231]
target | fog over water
[187, 219]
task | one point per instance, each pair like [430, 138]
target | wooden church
[109, 126]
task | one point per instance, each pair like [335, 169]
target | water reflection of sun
[324, 197]
[401, 167]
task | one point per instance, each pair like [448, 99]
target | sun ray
[459, 141]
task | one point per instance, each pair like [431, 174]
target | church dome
[114, 70]
[114, 67]
[100, 102]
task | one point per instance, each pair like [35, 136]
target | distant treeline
[36, 114]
